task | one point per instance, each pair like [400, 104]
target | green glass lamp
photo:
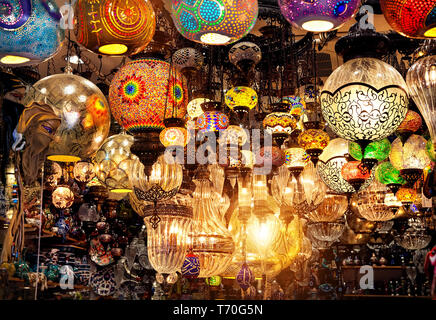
[387, 174]
[374, 152]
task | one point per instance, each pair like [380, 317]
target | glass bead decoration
[214, 22]
[318, 15]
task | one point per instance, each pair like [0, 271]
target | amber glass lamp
[406, 195]
[175, 133]
[114, 27]
[83, 171]
[280, 123]
[313, 141]
[62, 197]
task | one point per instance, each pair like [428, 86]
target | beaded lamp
[411, 18]
[318, 15]
[30, 32]
[214, 22]
[114, 27]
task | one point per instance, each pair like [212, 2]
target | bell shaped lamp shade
[318, 15]
[30, 32]
[143, 92]
[83, 111]
[364, 100]
[411, 18]
[114, 27]
[421, 80]
[214, 22]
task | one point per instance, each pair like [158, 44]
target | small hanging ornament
[245, 277]
[191, 266]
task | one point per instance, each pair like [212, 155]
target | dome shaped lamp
[355, 173]
[241, 100]
[421, 80]
[320, 15]
[83, 171]
[313, 141]
[280, 123]
[374, 152]
[212, 119]
[410, 125]
[113, 27]
[245, 56]
[411, 18]
[387, 174]
[218, 22]
[188, 61]
[30, 32]
[354, 100]
[174, 134]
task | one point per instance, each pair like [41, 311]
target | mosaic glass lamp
[355, 173]
[314, 142]
[212, 118]
[188, 60]
[241, 99]
[387, 174]
[280, 123]
[114, 27]
[174, 134]
[245, 55]
[30, 32]
[83, 111]
[296, 159]
[143, 92]
[214, 22]
[421, 80]
[411, 18]
[374, 152]
[406, 195]
[297, 105]
[355, 103]
[411, 123]
[318, 15]
[410, 158]
[194, 107]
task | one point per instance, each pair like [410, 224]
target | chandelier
[413, 239]
[330, 209]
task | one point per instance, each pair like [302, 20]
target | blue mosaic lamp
[245, 277]
[191, 266]
[29, 32]
[318, 15]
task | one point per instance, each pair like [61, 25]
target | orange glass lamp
[411, 123]
[406, 196]
[280, 123]
[313, 141]
[114, 27]
[174, 134]
[411, 18]
[355, 173]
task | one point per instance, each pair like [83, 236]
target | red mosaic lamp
[355, 173]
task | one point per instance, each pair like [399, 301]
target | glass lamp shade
[318, 16]
[161, 182]
[392, 202]
[187, 59]
[365, 99]
[211, 241]
[279, 122]
[212, 121]
[313, 139]
[245, 53]
[83, 171]
[330, 210]
[411, 155]
[194, 107]
[217, 22]
[191, 266]
[413, 239]
[30, 32]
[421, 80]
[114, 27]
[371, 203]
[83, 111]
[411, 123]
[378, 150]
[53, 174]
[296, 158]
[297, 105]
[113, 162]
[62, 197]
[233, 135]
[411, 18]
[245, 277]
[330, 164]
[143, 92]
[326, 231]
[270, 155]
[406, 195]
[387, 174]
[174, 136]
[355, 171]
[168, 244]
[241, 97]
